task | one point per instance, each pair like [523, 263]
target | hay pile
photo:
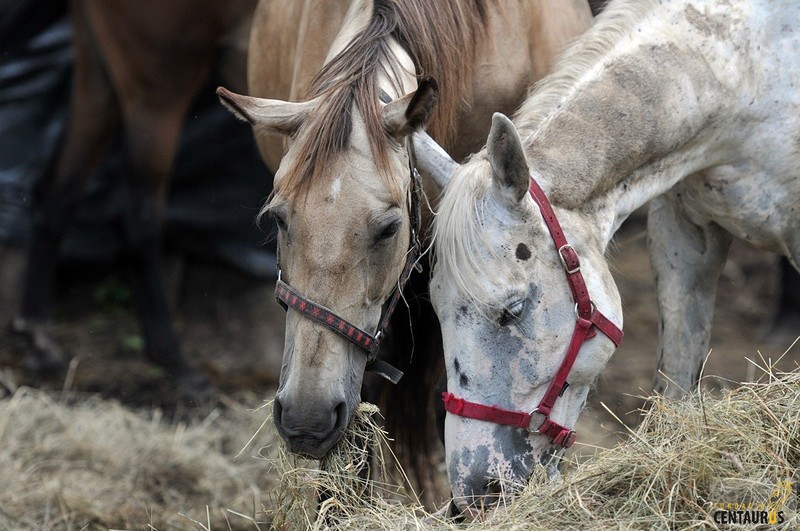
[687, 460]
[349, 499]
[76, 462]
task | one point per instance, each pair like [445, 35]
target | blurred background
[219, 263]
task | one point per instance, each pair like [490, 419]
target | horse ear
[507, 158]
[410, 113]
[265, 116]
[431, 160]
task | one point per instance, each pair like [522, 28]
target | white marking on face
[336, 186]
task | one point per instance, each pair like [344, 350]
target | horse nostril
[340, 417]
[494, 489]
[277, 411]
[489, 494]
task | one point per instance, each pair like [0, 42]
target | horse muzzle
[310, 432]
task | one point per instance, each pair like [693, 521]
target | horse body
[138, 66]
[689, 103]
[342, 187]
[525, 42]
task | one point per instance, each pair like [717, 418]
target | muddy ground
[233, 329]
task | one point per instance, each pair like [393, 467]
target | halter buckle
[577, 315]
[564, 261]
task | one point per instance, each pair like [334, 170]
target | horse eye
[389, 231]
[512, 312]
[279, 221]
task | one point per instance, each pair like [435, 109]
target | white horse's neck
[652, 110]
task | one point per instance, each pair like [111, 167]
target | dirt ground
[232, 327]
[228, 321]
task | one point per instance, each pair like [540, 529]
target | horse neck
[646, 115]
[355, 20]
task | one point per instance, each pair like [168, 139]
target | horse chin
[551, 462]
[309, 446]
[553, 470]
[466, 508]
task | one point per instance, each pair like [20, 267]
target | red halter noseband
[588, 318]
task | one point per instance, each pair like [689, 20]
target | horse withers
[689, 104]
[343, 196]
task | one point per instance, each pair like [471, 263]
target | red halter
[588, 318]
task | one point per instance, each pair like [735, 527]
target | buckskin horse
[364, 75]
[689, 104]
[138, 65]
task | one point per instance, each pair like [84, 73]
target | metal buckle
[536, 431]
[564, 262]
[591, 302]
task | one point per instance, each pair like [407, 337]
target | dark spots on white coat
[515, 446]
[523, 252]
[477, 464]
[549, 460]
[462, 314]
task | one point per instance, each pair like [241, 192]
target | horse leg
[156, 78]
[93, 120]
[152, 133]
[687, 259]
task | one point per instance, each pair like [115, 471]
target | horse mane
[460, 238]
[441, 38]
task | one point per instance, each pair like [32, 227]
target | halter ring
[534, 411]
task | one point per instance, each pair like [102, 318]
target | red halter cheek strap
[588, 321]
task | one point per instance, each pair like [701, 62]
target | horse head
[508, 314]
[342, 204]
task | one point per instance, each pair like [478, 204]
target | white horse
[690, 104]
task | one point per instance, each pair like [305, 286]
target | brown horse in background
[342, 187]
[138, 66]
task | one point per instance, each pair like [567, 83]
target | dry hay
[87, 463]
[92, 464]
[685, 459]
[335, 492]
